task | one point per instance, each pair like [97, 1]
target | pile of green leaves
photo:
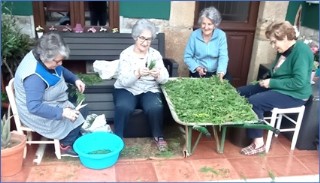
[100, 151]
[207, 100]
[88, 79]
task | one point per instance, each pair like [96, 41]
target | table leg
[223, 138]
[197, 141]
[188, 140]
[216, 137]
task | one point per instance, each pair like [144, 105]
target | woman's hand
[80, 85]
[220, 75]
[155, 72]
[202, 71]
[265, 83]
[70, 114]
[144, 71]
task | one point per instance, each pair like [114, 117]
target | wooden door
[239, 22]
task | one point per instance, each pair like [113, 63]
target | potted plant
[12, 147]
[40, 31]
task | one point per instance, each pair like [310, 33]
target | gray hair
[211, 13]
[51, 45]
[142, 25]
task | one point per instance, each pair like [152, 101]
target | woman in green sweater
[289, 83]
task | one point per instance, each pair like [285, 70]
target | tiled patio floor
[204, 165]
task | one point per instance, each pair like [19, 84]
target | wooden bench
[89, 47]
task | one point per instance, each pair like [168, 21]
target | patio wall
[179, 27]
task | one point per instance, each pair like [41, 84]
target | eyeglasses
[58, 61]
[143, 39]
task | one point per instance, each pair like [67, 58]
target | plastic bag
[95, 123]
[106, 69]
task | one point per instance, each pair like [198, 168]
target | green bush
[14, 44]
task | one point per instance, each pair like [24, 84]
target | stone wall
[26, 24]
[262, 52]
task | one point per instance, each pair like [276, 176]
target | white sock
[258, 142]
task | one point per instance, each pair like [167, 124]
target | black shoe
[68, 151]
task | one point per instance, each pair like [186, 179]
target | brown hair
[281, 29]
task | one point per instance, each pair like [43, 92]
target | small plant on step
[5, 130]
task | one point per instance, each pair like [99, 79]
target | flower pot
[12, 157]
[39, 34]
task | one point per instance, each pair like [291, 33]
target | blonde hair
[280, 30]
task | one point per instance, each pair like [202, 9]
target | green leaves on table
[207, 100]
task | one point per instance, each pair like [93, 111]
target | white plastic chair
[21, 129]
[275, 121]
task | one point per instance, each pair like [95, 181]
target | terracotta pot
[12, 158]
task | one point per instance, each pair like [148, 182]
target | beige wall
[178, 32]
[262, 52]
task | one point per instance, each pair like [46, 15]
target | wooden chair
[23, 129]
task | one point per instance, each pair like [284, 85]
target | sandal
[161, 144]
[251, 150]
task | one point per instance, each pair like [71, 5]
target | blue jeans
[71, 137]
[125, 104]
[263, 99]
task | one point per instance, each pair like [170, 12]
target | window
[88, 13]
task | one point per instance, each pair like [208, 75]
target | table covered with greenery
[198, 103]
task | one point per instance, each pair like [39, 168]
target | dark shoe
[251, 150]
[68, 151]
[161, 144]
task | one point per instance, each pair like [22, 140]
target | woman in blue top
[41, 93]
[206, 53]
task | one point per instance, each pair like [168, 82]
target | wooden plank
[106, 106]
[103, 46]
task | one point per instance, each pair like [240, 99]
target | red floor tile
[286, 166]
[250, 166]
[175, 171]
[135, 172]
[214, 169]
[310, 161]
[205, 150]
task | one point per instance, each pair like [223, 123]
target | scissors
[80, 105]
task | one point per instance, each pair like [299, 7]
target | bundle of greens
[207, 100]
[152, 64]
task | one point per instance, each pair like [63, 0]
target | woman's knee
[154, 109]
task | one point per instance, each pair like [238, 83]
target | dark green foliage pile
[207, 100]
[88, 79]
